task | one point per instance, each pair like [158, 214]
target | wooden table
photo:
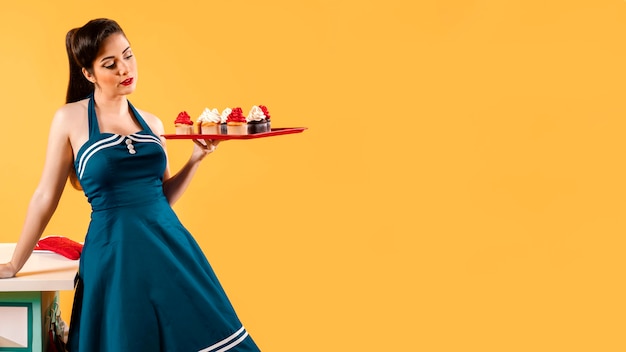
[26, 299]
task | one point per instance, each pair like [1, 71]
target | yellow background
[460, 186]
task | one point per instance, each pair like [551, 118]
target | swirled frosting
[256, 114]
[183, 119]
[209, 116]
[236, 115]
[225, 114]
[265, 112]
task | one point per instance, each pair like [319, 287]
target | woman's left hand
[6, 270]
[203, 148]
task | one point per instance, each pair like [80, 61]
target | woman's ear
[88, 75]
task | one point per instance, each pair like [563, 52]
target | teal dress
[144, 284]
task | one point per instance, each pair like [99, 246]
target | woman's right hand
[6, 270]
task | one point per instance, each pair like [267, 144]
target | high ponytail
[78, 87]
[82, 45]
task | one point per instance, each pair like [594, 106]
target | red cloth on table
[61, 245]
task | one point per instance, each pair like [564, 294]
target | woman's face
[115, 67]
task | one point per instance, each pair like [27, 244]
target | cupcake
[257, 123]
[209, 122]
[183, 123]
[236, 123]
[267, 117]
[223, 118]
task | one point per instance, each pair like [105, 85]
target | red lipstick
[127, 82]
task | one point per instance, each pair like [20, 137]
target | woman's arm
[46, 197]
[174, 186]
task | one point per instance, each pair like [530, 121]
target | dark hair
[82, 46]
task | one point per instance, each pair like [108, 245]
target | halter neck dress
[144, 284]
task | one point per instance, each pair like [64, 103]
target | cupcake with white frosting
[223, 118]
[257, 121]
[209, 122]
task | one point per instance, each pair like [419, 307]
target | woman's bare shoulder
[71, 112]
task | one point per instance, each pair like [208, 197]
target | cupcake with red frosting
[257, 121]
[183, 123]
[236, 123]
[267, 117]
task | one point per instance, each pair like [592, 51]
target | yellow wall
[460, 186]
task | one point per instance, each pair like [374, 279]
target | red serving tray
[273, 132]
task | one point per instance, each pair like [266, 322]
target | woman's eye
[110, 66]
[128, 57]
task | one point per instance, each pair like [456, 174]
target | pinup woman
[144, 284]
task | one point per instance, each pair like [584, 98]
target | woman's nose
[124, 68]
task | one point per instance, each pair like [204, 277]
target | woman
[144, 283]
